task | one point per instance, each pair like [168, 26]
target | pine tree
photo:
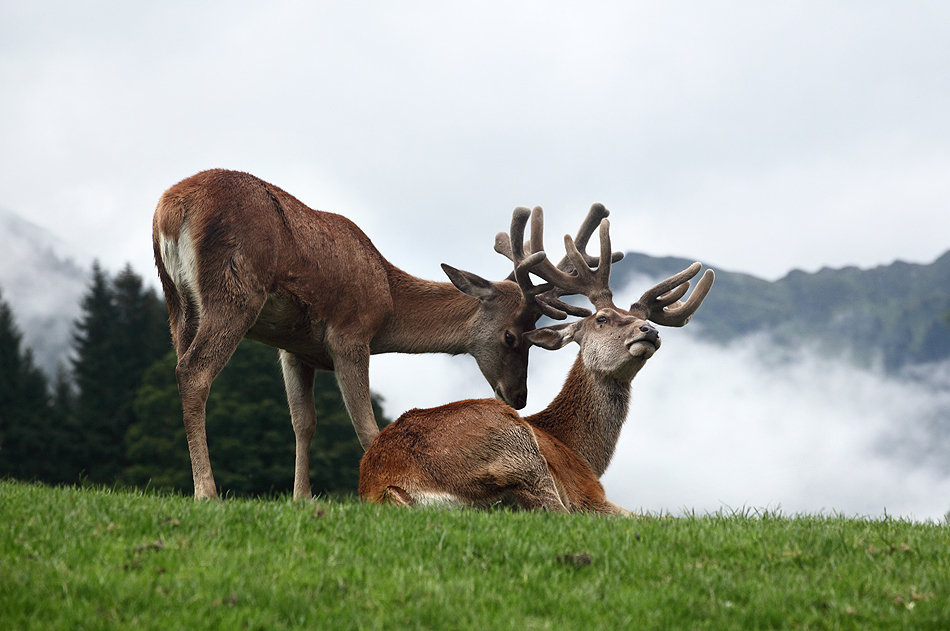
[141, 328]
[156, 449]
[249, 432]
[63, 402]
[27, 427]
[141, 338]
[120, 333]
[97, 448]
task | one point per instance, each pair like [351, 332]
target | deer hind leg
[520, 470]
[539, 492]
[220, 329]
[298, 381]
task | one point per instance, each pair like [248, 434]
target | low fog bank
[746, 426]
[43, 287]
[750, 426]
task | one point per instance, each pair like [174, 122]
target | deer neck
[587, 415]
[427, 317]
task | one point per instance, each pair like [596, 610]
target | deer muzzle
[516, 399]
[644, 334]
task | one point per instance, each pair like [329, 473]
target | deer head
[509, 309]
[616, 341]
[613, 342]
[496, 334]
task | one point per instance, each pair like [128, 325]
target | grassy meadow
[111, 559]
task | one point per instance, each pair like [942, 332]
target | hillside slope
[898, 313]
[144, 561]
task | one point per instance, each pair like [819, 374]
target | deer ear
[553, 337]
[469, 283]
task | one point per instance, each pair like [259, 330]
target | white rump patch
[181, 262]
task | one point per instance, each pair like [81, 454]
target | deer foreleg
[352, 374]
[298, 381]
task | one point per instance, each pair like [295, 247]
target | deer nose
[650, 332]
[517, 399]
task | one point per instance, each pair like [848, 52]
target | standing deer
[238, 257]
[480, 452]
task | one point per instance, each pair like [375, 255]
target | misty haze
[748, 425]
[754, 422]
[799, 150]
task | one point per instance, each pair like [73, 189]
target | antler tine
[672, 282]
[512, 246]
[537, 230]
[549, 300]
[572, 274]
[661, 303]
[590, 282]
[680, 312]
[519, 217]
[597, 286]
[577, 273]
[525, 263]
[595, 215]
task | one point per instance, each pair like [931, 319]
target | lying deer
[238, 257]
[481, 452]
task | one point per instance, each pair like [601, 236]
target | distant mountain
[42, 286]
[898, 314]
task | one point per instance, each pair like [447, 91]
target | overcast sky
[757, 137]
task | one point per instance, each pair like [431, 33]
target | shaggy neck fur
[587, 414]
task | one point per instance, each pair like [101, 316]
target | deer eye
[601, 319]
[509, 338]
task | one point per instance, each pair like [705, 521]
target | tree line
[113, 415]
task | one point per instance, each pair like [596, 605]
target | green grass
[102, 559]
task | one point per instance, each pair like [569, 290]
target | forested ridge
[112, 416]
[898, 314]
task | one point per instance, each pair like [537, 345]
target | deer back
[250, 236]
[465, 452]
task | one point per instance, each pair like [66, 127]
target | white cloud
[727, 427]
[842, 208]
[743, 426]
[760, 137]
